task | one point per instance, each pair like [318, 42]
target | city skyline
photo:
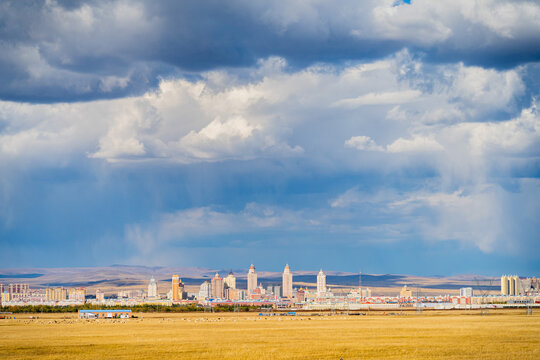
[397, 137]
[219, 290]
[308, 294]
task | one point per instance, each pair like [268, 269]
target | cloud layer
[196, 130]
[57, 51]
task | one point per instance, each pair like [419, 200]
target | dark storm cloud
[83, 50]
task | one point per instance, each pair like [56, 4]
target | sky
[382, 136]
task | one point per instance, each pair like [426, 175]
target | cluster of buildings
[22, 294]
[219, 288]
[225, 290]
[512, 285]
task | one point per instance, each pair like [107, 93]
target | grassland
[437, 335]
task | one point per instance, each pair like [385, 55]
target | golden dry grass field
[431, 335]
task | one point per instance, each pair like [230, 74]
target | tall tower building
[217, 287]
[152, 288]
[321, 284]
[514, 285]
[511, 285]
[205, 291]
[230, 280]
[287, 283]
[175, 291]
[251, 279]
[505, 285]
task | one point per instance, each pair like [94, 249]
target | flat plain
[377, 335]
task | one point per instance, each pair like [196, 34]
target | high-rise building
[300, 295]
[251, 279]
[152, 288]
[535, 283]
[405, 293]
[529, 286]
[18, 288]
[131, 294]
[466, 292]
[321, 284]
[365, 292]
[230, 281]
[230, 293]
[241, 294]
[274, 290]
[511, 285]
[77, 294]
[175, 291]
[514, 285]
[205, 291]
[100, 295]
[217, 287]
[56, 294]
[504, 285]
[287, 282]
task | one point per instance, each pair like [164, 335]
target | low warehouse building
[104, 314]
